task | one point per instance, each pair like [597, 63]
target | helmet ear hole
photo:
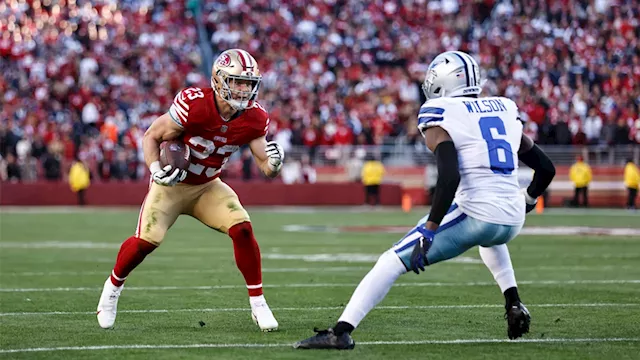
[437, 91]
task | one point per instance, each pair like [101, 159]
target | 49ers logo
[224, 60]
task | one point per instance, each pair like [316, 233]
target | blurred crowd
[83, 79]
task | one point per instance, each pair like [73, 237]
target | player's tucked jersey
[486, 133]
[212, 139]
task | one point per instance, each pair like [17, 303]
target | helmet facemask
[239, 91]
[427, 86]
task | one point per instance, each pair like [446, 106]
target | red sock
[247, 254]
[131, 254]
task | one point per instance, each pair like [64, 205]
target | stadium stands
[85, 78]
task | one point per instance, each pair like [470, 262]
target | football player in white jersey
[477, 143]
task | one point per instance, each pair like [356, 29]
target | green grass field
[583, 290]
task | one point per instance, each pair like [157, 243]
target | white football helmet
[452, 73]
[236, 78]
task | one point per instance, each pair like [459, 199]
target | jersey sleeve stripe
[431, 110]
[182, 103]
[179, 114]
[180, 110]
[429, 116]
[174, 116]
[424, 120]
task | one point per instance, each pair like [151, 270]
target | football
[174, 153]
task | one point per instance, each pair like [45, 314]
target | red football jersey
[210, 138]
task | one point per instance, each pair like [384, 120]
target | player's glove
[419, 254]
[276, 155]
[166, 176]
[530, 202]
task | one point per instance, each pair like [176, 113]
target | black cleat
[518, 320]
[326, 339]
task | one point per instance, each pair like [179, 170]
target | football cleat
[518, 320]
[108, 305]
[263, 317]
[327, 339]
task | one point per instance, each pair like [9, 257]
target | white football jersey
[486, 133]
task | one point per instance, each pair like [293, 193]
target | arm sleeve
[544, 169]
[448, 180]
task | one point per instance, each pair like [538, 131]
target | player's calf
[247, 255]
[131, 254]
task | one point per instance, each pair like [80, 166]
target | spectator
[3, 169]
[631, 182]
[593, 127]
[621, 133]
[580, 174]
[52, 166]
[372, 175]
[79, 180]
[308, 172]
[94, 62]
[120, 166]
[13, 170]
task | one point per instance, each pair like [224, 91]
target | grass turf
[58, 261]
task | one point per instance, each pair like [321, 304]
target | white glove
[275, 154]
[166, 176]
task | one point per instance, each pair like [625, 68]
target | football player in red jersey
[213, 123]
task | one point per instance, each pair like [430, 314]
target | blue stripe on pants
[455, 237]
[409, 239]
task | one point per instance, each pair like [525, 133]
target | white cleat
[263, 317]
[108, 305]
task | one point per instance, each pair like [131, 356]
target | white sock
[373, 288]
[498, 261]
[257, 300]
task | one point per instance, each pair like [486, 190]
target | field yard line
[312, 285]
[295, 270]
[320, 308]
[417, 342]
[27, 210]
[187, 271]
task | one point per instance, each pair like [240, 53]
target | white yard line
[610, 212]
[187, 271]
[364, 343]
[347, 270]
[321, 285]
[319, 308]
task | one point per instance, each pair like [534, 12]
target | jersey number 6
[500, 153]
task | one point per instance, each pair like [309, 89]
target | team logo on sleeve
[224, 60]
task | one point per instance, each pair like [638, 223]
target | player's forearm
[448, 180]
[544, 169]
[151, 149]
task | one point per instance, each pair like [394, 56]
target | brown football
[174, 153]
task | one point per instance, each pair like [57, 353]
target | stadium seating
[86, 78]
